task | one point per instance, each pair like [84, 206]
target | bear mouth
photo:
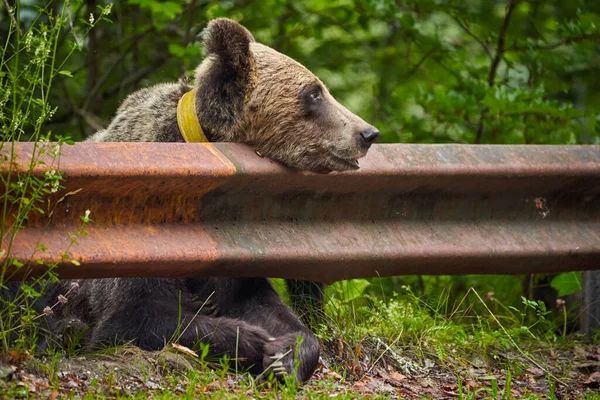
[345, 163]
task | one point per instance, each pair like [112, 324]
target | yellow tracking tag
[188, 123]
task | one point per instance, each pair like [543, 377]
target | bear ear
[228, 40]
[224, 78]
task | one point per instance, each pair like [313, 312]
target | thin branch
[501, 41]
[500, 49]
[12, 16]
[133, 40]
[109, 50]
[383, 90]
[329, 19]
[552, 46]
[281, 24]
[188, 35]
[91, 119]
[94, 91]
[425, 56]
[480, 125]
[468, 31]
[92, 60]
[136, 77]
[71, 29]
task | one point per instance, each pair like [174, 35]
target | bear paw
[279, 357]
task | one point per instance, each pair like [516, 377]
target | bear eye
[312, 99]
[315, 95]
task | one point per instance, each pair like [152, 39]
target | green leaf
[567, 283]
[75, 262]
[29, 291]
[16, 263]
[351, 289]
[167, 10]
[66, 73]
[177, 50]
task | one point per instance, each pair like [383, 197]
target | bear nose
[370, 134]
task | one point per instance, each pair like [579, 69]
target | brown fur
[247, 93]
[250, 93]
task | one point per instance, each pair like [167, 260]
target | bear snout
[369, 135]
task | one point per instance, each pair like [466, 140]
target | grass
[29, 65]
[401, 346]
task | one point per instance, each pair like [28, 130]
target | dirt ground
[367, 372]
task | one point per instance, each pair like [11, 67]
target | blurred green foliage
[471, 71]
[422, 71]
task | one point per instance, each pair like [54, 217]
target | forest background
[430, 71]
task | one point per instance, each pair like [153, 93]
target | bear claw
[277, 356]
[277, 367]
[206, 307]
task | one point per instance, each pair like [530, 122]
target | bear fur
[248, 93]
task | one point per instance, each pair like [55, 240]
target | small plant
[29, 67]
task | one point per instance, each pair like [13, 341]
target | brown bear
[248, 93]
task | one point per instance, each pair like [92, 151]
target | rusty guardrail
[169, 209]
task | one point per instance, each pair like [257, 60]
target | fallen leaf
[450, 387]
[395, 378]
[333, 374]
[340, 348]
[16, 357]
[593, 380]
[535, 372]
[361, 387]
[358, 351]
[397, 375]
[356, 368]
[469, 384]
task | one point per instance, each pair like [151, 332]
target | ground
[370, 368]
[373, 346]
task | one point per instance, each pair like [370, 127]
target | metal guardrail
[169, 209]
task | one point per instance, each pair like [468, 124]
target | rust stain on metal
[171, 209]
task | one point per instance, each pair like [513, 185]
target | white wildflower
[107, 9]
[91, 19]
[62, 299]
[28, 39]
[55, 186]
[48, 311]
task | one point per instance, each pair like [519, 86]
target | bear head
[249, 93]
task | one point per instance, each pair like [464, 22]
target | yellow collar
[187, 120]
